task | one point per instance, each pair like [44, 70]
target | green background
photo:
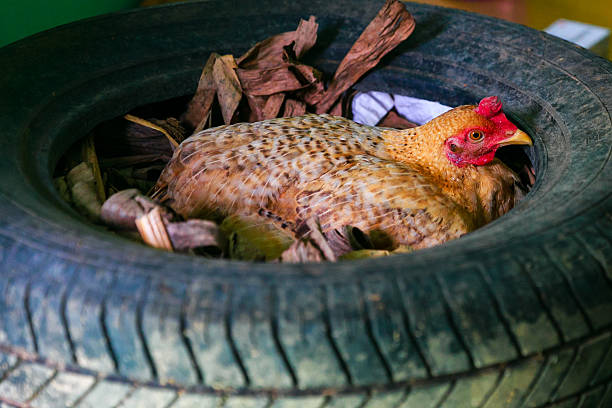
[20, 18]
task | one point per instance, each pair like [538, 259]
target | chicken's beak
[518, 138]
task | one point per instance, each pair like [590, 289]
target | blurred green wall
[20, 18]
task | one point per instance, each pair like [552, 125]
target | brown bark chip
[266, 53]
[273, 105]
[122, 209]
[305, 36]
[336, 109]
[194, 234]
[256, 105]
[263, 82]
[271, 69]
[392, 25]
[294, 108]
[311, 78]
[229, 90]
[201, 103]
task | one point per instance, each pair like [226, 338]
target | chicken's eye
[476, 136]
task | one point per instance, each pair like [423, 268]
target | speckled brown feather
[340, 172]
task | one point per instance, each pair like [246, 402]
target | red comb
[489, 106]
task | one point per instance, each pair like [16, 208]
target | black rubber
[518, 313]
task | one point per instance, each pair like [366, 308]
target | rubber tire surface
[518, 313]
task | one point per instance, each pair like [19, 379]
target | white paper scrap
[592, 37]
[370, 107]
[417, 110]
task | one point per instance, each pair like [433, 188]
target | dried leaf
[200, 105]
[118, 138]
[302, 251]
[194, 233]
[130, 210]
[153, 230]
[149, 124]
[347, 239]
[82, 187]
[173, 126]
[90, 156]
[229, 90]
[79, 174]
[206, 122]
[392, 25]
[393, 120]
[123, 208]
[319, 240]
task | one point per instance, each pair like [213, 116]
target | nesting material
[153, 231]
[269, 80]
[146, 123]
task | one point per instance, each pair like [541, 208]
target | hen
[419, 187]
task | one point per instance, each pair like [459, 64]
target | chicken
[418, 187]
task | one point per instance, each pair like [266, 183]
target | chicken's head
[479, 132]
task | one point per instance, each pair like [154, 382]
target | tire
[518, 313]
